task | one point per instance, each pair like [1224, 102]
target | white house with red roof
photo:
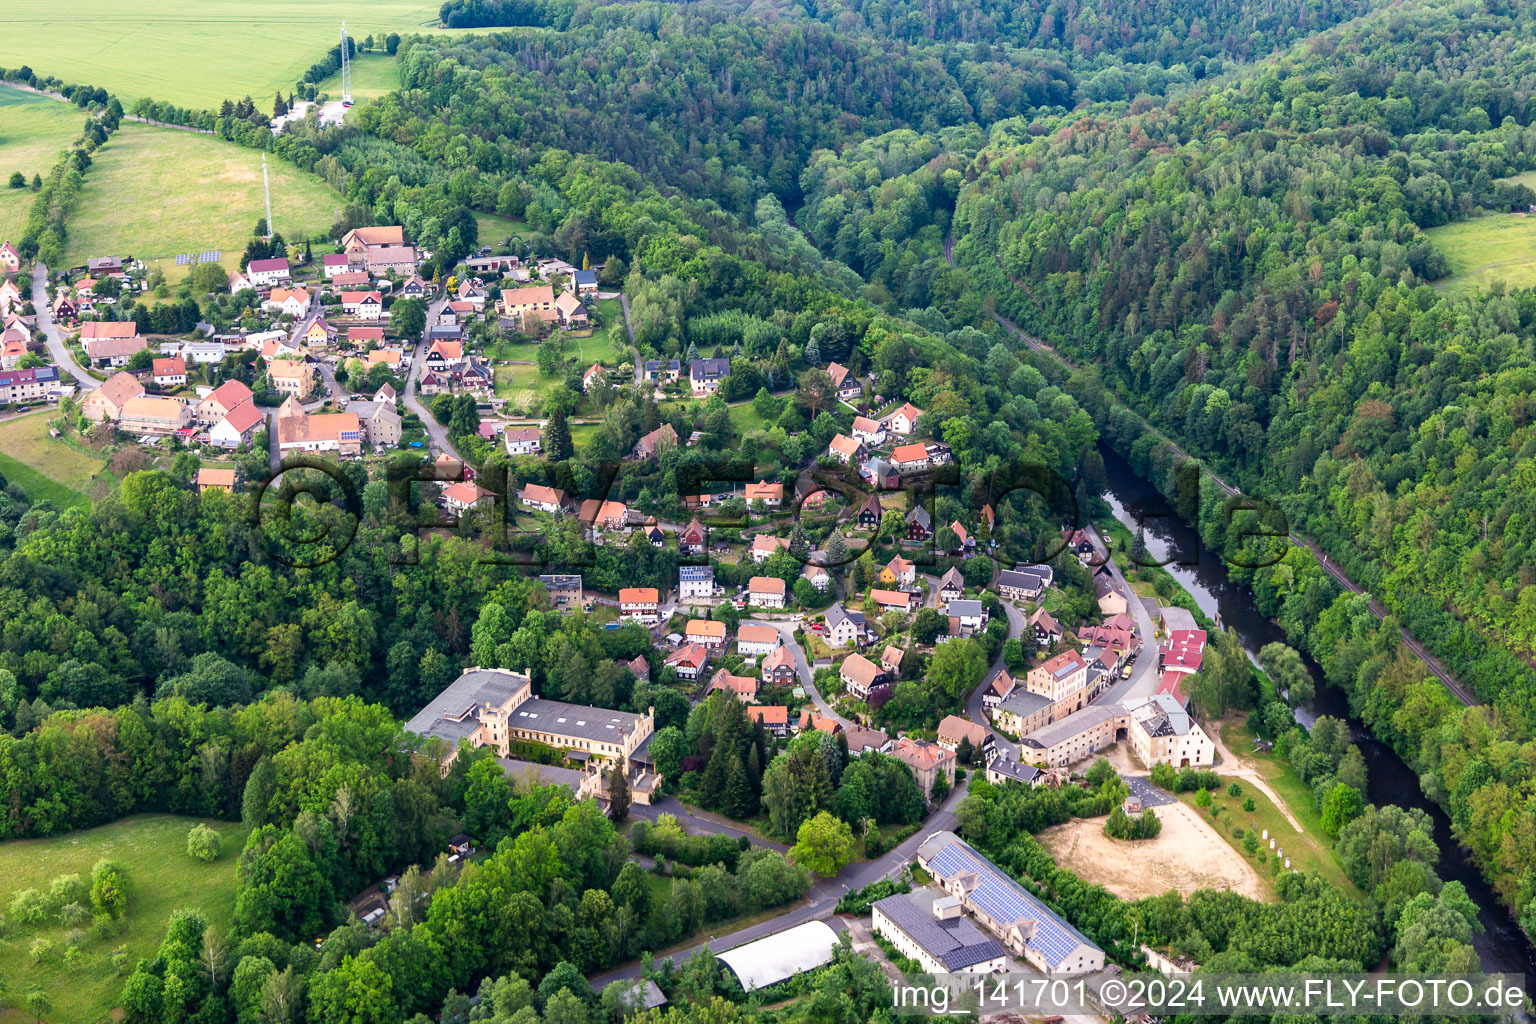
[904, 420]
[363, 305]
[640, 604]
[266, 273]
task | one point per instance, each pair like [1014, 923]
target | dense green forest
[1246, 267]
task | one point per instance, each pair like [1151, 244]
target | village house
[898, 572]
[688, 661]
[235, 428]
[267, 273]
[603, 515]
[105, 404]
[962, 537]
[1111, 600]
[843, 627]
[320, 432]
[150, 415]
[705, 631]
[215, 478]
[705, 375]
[415, 288]
[953, 729]
[650, 444]
[765, 547]
[663, 370]
[820, 723]
[219, 402]
[1183, 652]
[891, 658]
[522, 440]
[10, 258]
[362, 305]
[773, 717]
[545, 499]
[333, 263]
[771, 495]
[110, 343]
[169, 373]
[693, 538]
[928, 762]
[10, 296]
[919, 523]
[352, 280]
[570, 312]
[533, 303]
[845, 449]
[893, 600]
[463, 496]
[584, 281]
[292, 302]
[904, 420]
[743, 688]
[640, 604]
[1024, 584]
[1021, 712]
[291, 377]
[1047, 630]
[765, 592]
[397, 259]
[966, 618]
[993, 693]
[1162, 732]
[870, 513]
[1063, 679]
[867, 431]
[845, 382]
[595, 377]
[910, 458]
[936, 935]
[695, 582]
[753, 640]
[951, 586]
[818, 575]
[565, 591]
[860, 676]
[779, 667]
[27, 385]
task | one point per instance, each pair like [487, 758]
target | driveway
[1148, 794]
[1143, 680]
[701, 821]
[62, 357]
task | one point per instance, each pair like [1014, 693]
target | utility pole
[346, 69]
[266, 187]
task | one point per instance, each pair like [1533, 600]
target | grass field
[373, 75]
[33, 130]
[156, 192]
[45, 467]
[163, 878]
[1496, 247]
[494, 230]
[194, 55]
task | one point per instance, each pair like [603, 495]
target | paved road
[57, 348]
[1143, 680]
[823, 895]
[974, 709]
[437, 434]
[803, 668]
[629, 330]
[699, 821]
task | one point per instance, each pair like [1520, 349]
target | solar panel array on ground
[209, 257]
[1003, 899]
[183, 259]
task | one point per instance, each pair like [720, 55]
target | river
[1502, 946]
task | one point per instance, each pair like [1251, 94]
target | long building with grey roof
[1017, 918]
[937, 935]
[495, 707]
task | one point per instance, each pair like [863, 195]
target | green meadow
[162, 878]
[1496, 247]
[156, 192]
[33, 131]
[193, 55]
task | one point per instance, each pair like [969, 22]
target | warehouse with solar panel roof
[1019, 920]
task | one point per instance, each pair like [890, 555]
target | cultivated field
[1187, 855]
[33, 129]
[46, 468]
[156, 192]
[162, 878]
[193, 55]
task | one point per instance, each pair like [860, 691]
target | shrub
[204, 843]
[1234, 790]
[40, 950]
[1249, 805]
[67, 889]
[28, 907]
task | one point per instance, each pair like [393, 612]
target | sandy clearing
[1188, 855]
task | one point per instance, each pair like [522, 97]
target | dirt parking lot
[1187, 855]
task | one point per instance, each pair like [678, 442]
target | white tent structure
[781, 955]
